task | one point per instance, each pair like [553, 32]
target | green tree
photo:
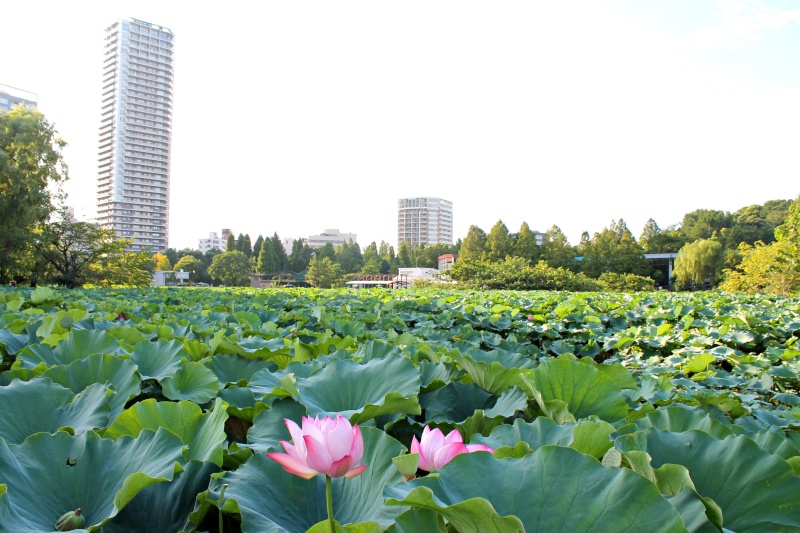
[127, 268]
[764, 268]
[230, 244]
[267, 260]
[789, 231]
[557, 251]
[301, 256]
[474, 245]
[525, 244]
[281, 259]
[499, 243]
[231, 269]
[327, 250]
[247, 248]
[349, 257]
[700, 263]
[704, 223]
[31, 173]
[404, 259]
[371, 259]
[386, 252]
[613, 250]
[257, 247]
[172, 255]
[190, 264]
[80, 252]
[324, 273]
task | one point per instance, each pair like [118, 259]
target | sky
[295, 117]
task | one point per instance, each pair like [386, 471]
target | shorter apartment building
[213, 242]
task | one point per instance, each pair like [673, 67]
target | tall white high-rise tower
[135, 133]
[424, 221]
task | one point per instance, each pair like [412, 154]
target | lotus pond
[650, 412]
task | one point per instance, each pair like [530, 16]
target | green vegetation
[685, 403]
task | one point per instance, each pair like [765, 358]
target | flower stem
[329, 499]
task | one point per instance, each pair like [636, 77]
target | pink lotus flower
[435, 450]
[329, 446]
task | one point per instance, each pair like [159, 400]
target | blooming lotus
[436, 450]
[328, 446]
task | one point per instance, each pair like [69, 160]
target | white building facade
[333, 236]
[135, 133]
[11, 96]
[214, 242]
[424, 221]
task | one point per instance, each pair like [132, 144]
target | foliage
[230, 268]
[31, 173]
[499, 243]
[281, 259]
[612, 250]
[557, 251]
[705, 223]
[789, 231]
[190, 264]
[474, 245]
[651, 411]
[324, 273]
[161, 262]
[517, 274]
[768, 268]
[81, 252]
[525, 245]
[267, 258]
[615, 282]
[349, 258]
[700, 262]
[230, 243]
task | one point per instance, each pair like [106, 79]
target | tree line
[754, 248]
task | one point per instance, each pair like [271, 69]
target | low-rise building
[333, 236]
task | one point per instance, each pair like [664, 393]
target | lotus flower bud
[71, 520]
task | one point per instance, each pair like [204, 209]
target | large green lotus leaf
[159, 359]
[193, 382]
[204, 433]
[49, 475]
[78, 344]
[115, 371]
[12, 342]
[270, 500]
[361, 392]
[584, 389]
[165, 506]
[757, 491]
[618, 373]
[679, 418]
[555, 489]
[232, 368]
[269, 427]
[241, 402]
[455, 402]
[28, 407]
[526, 437]
[777, 443]
[417, 521]
[436, 375]
[490, 376]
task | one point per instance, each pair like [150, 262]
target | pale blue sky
[299, 116]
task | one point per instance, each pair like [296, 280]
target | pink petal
[453, 437]
[340, 467]
[446, 453]
[479, 448]
[357, 471]
[357, 445]
[297, 438]
[317, 456]
[340, 439]
[292, 465]
[414, 445]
